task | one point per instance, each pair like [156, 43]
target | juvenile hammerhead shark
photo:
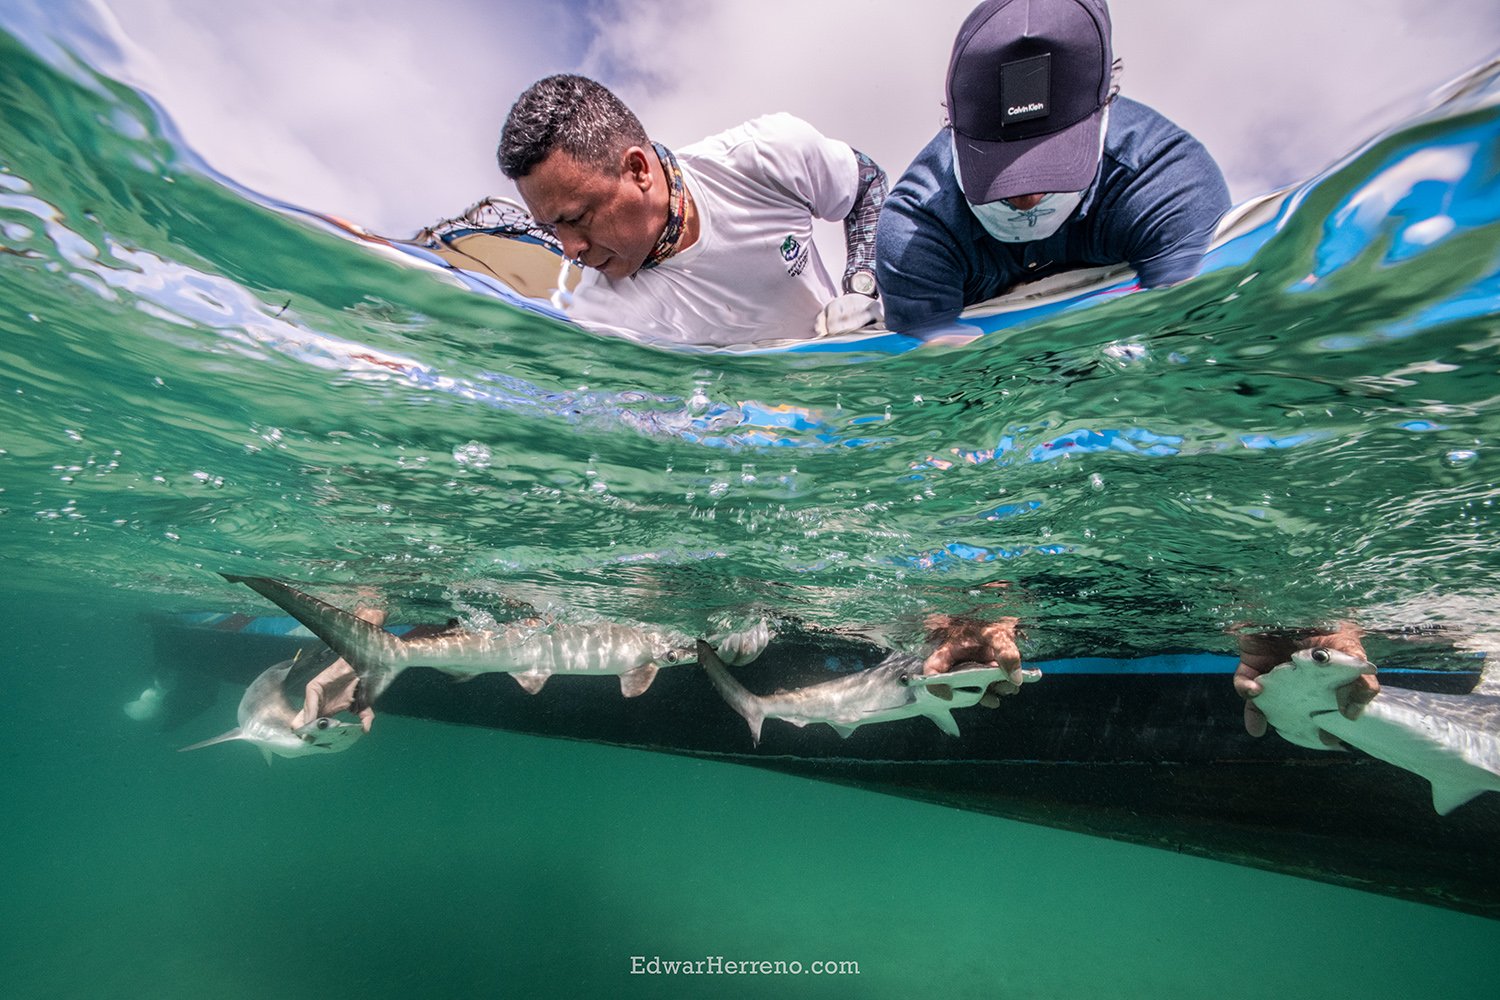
[895, 688]
[529, 654]
[1451, 740]
[269, 720]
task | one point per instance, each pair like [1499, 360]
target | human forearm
[859, 226]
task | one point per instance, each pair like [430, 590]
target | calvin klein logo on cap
[1025, 86]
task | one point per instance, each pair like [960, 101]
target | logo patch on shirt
[1025, 88]
[795, 255]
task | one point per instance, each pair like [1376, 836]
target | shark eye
[1320, 655]
[324, 723]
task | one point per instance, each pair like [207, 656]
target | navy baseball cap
[1027, 87]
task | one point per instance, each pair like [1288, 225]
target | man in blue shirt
[1041, 169]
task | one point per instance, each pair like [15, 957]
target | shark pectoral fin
[635, 682]
[532, 680]
[1447, 797]
[233, 734]
[1309, 732]
[842, 730]
[945, 721]
[265, 752]
[1309, 737]
[755, 719]
[942, 691]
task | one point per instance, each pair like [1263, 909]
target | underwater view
[201, 383]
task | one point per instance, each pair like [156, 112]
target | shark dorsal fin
[532, 680]
[234, 734]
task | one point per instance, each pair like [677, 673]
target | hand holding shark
[1451, 740]
[268, 720]
[893, 689]
[986, 645]
[336, 688]
[1260, 652]
[530, 653]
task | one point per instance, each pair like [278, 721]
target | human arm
[918, 268]
[859, 305]
[929, 261]
[1171, 211]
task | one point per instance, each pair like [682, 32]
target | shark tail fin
[373, 652]
[735, 693]
[233, 734]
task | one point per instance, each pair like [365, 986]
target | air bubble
[473, 454]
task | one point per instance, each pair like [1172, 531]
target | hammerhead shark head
[530, 654]
[893, 689]
[1451, 740]
[269, 720]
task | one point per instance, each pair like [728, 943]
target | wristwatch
[861, 281]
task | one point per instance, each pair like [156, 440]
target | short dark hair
[568, 112]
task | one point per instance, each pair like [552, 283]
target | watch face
[863, 282]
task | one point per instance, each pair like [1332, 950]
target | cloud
[868, 73]
[387, 112]
[384, 112]
[1280, 89]
[1277, 89]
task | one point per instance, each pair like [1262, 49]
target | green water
[195, 384]
[188, 389]
[435, 860]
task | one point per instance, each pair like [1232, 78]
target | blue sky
[387, 111]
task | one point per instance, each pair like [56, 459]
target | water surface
[197, 383]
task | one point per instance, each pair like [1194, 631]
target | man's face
[609, 219]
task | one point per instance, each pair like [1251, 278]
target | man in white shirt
[711, 246]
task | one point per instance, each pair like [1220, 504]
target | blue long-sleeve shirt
[1154, 204]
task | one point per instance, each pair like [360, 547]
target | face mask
[1014, 225]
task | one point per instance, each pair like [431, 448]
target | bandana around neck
[676, 209]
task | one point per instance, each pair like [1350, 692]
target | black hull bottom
[1158, 759]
